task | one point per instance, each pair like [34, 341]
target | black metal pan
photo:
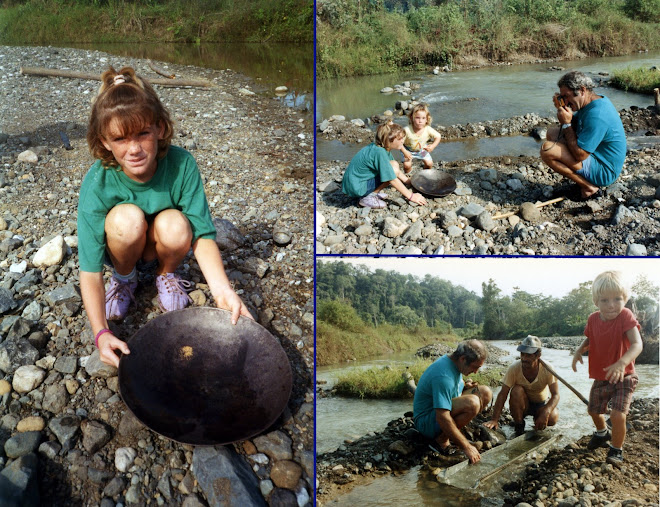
[195, 378]
[433, 182]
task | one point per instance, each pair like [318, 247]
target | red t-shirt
[608, 341]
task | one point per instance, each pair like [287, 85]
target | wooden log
[539, 205]
[656, 92]
[42, 71]
[160, 71]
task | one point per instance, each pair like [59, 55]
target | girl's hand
[418, 199]
[429, 148]
[108, 343]
[577, 357]
[227, 299]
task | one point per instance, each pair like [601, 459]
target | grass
[381, 41]
[640, 80]
[389, 382]
[334, 345]
[36, 22]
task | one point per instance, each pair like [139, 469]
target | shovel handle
[575, 391]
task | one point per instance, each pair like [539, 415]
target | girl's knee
[126, 221]
[174, 225]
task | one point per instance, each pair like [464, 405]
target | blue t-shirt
[369, 162]
[436, 387]
[600, 132]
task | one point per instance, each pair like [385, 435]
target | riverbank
[42, 23]
[355, 39]
[70, 436]
[572, 474]
[622, 222]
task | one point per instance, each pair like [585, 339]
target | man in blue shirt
[444, 404]
[590, 145]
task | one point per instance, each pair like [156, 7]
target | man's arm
[542, 416]
[448, 427]
[499, 405]
[565, 116]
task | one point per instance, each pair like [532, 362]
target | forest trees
[349, 297]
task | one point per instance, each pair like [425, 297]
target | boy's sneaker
[615, 456]
[599, 441]
[172, 292]
[519, 428]
[372, 201]
[118, 298]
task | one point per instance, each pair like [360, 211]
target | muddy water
[338, 419]
[501, 92]
[270, 65]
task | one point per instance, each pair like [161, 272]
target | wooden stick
[42, 71]
[160, 71]
[540, 205]
[575, 391]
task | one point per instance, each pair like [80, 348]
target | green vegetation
[61, 21]
[336, 344]
[378, 36]
[362, 314]
[380, 383]
[389, 383]
[640, 80]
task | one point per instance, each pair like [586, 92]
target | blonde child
[613, 342]
[373, 168]
[418, 134]
[143, 199]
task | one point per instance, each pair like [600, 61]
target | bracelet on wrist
[411, 195]
[99, 334]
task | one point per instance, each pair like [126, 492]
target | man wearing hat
[534, 390]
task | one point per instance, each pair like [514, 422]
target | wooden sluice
[496, 460]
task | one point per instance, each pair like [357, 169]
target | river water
[338, 419]
[269, 64]
[501, 92]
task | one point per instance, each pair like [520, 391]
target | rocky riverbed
[624, 221]
[565, 477]
[66, 437]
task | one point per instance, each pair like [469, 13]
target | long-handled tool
[577, 393]
[539, 205]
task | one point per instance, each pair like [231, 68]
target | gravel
[622, 222]
[65, 434]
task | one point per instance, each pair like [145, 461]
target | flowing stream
[500, 92]
[339, 419]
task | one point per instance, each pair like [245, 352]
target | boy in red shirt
[613, 342]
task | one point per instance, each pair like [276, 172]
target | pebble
[124, 457]
[31, 423]
[286, 474]
[51, 253]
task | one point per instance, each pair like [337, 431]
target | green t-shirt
[370, 162]
[177, 184]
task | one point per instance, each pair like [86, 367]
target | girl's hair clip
[119, 79]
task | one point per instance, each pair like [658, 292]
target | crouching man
[444, 403]
[534, 390]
